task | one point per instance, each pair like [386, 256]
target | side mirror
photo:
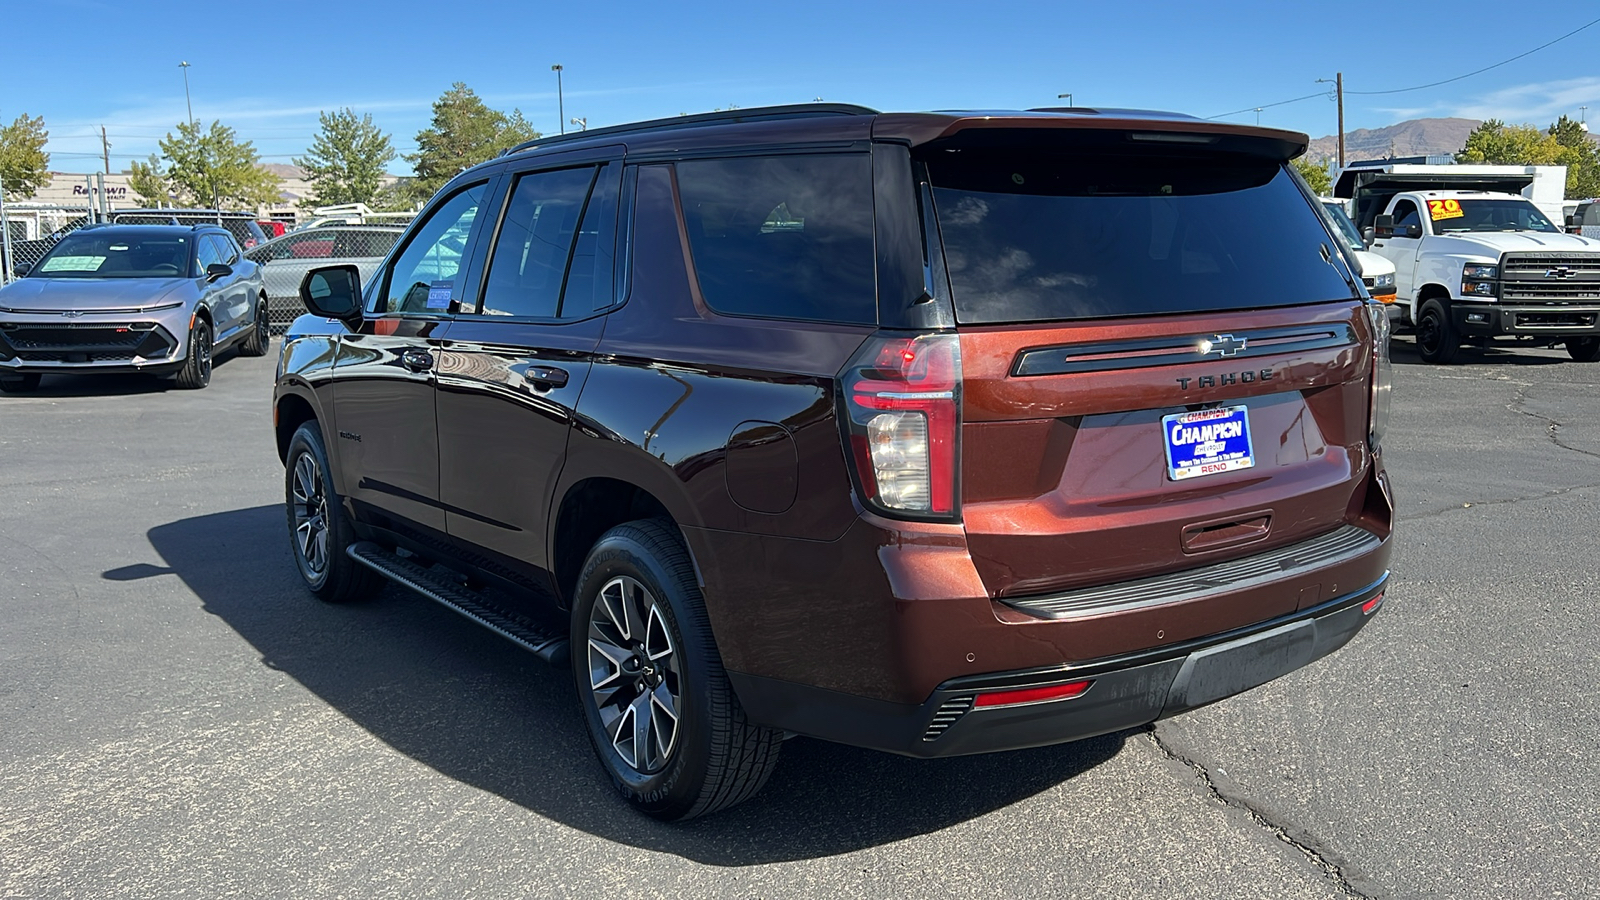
[1574, 224]
[333, 292]
[1383, 226]
[218, 270]
[1413, 231]
[1368, 235]
[22, 269]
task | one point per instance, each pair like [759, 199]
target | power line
[1419, 87]
[1269, 105]
[1484, 69]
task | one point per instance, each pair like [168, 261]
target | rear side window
[785, 237]
[1057, 235]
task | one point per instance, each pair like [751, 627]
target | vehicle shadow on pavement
[1403, 351]
[472, 706]
[99, 386]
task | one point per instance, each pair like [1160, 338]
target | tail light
[1382, 377]
[902, 398]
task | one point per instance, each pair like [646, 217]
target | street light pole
[561, 106]
[1068, 96]
[581, 121]
[190, 106]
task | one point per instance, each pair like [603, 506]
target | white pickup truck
[1473, 266]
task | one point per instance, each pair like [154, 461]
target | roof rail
[729, 116]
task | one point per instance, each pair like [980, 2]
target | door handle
[545, 377]
[416, 359]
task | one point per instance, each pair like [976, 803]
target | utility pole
[1338, 89]
[1338, 86]
[105, 148]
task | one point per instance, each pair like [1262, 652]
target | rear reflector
[1033, 695]
[1369, 607]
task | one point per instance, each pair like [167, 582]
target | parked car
[285, 260]
[159, 299]
[1376, 272]
[272, 228]
[243, 226]
[936, 433]
[1585, 219]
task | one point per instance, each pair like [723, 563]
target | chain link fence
[285, 261]
[31, 229]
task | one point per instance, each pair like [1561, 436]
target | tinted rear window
[1052, 236]
[786, 237]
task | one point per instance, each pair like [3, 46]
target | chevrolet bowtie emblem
[1559, 272]
[72, 313]
[1222, 345]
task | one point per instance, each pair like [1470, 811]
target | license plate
[1208, 442]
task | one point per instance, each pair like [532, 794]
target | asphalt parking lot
[178, 718]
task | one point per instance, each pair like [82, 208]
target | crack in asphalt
[1504, 501]
[1302, 843]
[1552, 427]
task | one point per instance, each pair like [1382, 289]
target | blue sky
[266, 70]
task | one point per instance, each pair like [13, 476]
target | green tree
[24, 166]
[1516, 145]
[1581, 155]
[464, 133]
[205, 168]
[145, 179]
[345, 163]
[1316, 176]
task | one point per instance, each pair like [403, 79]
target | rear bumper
[1493, 319]
[1125, 691]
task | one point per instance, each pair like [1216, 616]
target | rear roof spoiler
[1115, 126]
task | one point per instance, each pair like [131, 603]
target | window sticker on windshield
[72, 264]
[1445, 209]
[439, 294]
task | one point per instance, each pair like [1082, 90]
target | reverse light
[1033, 695]
[902, 404]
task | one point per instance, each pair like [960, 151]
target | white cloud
[1540, 103]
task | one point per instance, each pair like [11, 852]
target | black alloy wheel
[1437, 341]
[256, 343]
[660, 712]
[318, 531]
[196, 371]
[1584, 349]
[633, 674]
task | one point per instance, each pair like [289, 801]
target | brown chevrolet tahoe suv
[935, 433]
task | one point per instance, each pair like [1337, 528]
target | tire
[1585, 349]
[318, 529]
[1437, 341]
[196, 371]
[713, 757]
[21, 384]
[256, 343]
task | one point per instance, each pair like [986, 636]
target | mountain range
[1413, 137]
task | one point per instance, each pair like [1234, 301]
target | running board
[548, 646]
